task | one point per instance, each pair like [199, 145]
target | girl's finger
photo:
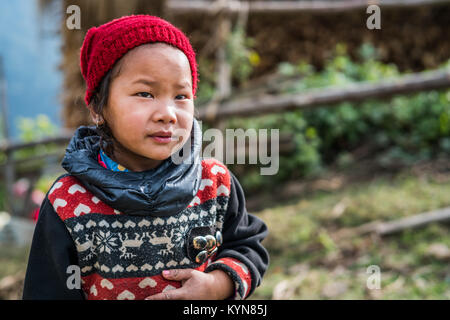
[177, 294]
[177, 274]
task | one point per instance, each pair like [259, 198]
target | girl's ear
[96, 118]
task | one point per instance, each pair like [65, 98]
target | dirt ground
[11, 286]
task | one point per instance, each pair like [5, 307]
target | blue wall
[30, 47]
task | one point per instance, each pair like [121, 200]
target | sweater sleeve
[52, 252]
[241, 255]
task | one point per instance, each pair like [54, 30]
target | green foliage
[306, 159]
[240, 54]
[45, 182]
[35, 129]
[399, 131]
[206, 86]
[31, 130]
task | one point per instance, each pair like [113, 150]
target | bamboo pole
[63, 138]
[288, 7]
[390, 227]
[265, 104]
[415, 221]
[41, 157]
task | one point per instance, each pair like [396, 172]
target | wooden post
[223, 68]
[9, 166]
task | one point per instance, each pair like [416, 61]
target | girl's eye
[182, 95]
[144, 94]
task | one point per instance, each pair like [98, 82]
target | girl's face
[150, 105]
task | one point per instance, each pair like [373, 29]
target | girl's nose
[165, 113]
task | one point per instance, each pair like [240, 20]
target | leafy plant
[241, 57]
[395, 132]
[240, 54]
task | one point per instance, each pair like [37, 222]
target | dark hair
[98, 102]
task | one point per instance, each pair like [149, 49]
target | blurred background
[359, 208]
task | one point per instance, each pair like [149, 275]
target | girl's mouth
[162, 139]
[162, 136]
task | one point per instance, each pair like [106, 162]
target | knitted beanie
[104, 45]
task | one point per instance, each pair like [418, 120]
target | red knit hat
[104, 45]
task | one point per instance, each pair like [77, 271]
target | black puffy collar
[162, 191]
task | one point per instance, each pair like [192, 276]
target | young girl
[130, 219]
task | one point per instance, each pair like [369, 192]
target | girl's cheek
[134, 121]
[129, 120]
[131, 108]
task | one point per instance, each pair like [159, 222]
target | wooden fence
[256, 102]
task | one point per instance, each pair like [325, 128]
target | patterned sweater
[121, 256]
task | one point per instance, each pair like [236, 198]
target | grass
[12, 260]
[308, 262]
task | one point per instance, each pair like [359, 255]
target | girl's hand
[196, 285]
